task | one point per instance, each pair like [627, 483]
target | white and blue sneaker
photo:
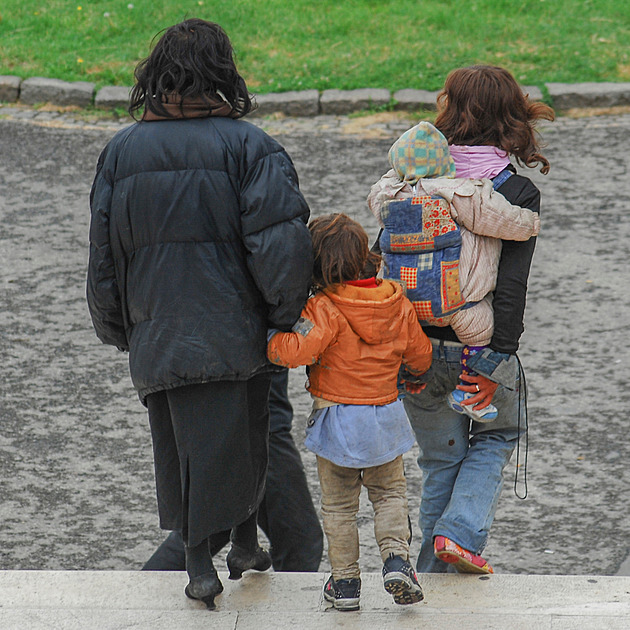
[455, 401]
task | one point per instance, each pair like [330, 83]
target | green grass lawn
[299, 44]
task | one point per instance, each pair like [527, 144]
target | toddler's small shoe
[400, 580]
[456, 402]
[343, 594]
[463, 560]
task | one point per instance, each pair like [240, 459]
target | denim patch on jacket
[499, 367]
[303, 326]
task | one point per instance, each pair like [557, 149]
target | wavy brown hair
[341, 251]
[484, 105]
[195, 60]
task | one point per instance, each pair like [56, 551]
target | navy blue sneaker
[400, 580]
[343, 594]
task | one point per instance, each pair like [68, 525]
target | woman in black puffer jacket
[198, 245]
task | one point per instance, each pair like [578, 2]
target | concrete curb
[38, 90]
[154, 600]
[564, 96]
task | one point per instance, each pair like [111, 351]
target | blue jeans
[462, 465]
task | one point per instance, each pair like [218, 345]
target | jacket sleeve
[385, 188]
[314, 331]
[103, 296]
[274, 215]
[516, 256]
[419, 353]
[489, 213]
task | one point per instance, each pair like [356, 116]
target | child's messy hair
[484, 105]
[341, 251]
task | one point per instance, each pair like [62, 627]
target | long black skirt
[210, 449]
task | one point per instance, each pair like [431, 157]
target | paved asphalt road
[76, 479]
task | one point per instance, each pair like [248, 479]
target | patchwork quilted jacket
[450, 207]
[198, 244]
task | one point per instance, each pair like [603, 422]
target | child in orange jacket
[354, 334]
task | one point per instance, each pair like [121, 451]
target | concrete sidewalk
[112, 600]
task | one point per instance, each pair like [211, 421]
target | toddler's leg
[467, 353]
[341, 489]
[387, 491]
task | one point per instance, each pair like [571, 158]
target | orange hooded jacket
[355, 339]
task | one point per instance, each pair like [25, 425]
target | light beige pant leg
[341, 488]
[387, 491]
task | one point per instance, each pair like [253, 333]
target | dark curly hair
[341, 251]
[484, 105]
[194, 60]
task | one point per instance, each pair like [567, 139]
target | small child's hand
[414, 388]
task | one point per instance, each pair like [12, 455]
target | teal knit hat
[421, 152]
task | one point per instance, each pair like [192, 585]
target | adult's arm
[510, 292]
[103, 296]
[311, 335]
[274, 215]
[514, 265]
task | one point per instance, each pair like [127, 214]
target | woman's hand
[481, 386]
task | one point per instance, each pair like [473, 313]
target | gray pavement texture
[76, 483]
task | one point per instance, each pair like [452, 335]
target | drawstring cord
[521, 373]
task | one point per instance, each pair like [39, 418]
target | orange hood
[373, 314]
[354, 340]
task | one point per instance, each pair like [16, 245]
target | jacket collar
[201, 107]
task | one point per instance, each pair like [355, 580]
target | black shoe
[344, 594]
[400, 580]
[239, 560]
[205, 588]
[169, 556]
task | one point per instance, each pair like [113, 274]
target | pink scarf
[478, 162]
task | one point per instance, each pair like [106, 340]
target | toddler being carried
[441, 239]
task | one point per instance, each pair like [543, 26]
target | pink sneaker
[462, 559]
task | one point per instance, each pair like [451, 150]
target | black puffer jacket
[198, 244]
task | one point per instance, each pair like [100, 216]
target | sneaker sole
[467, 410]
[461, 564]
[344, 605]
[403, 590]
